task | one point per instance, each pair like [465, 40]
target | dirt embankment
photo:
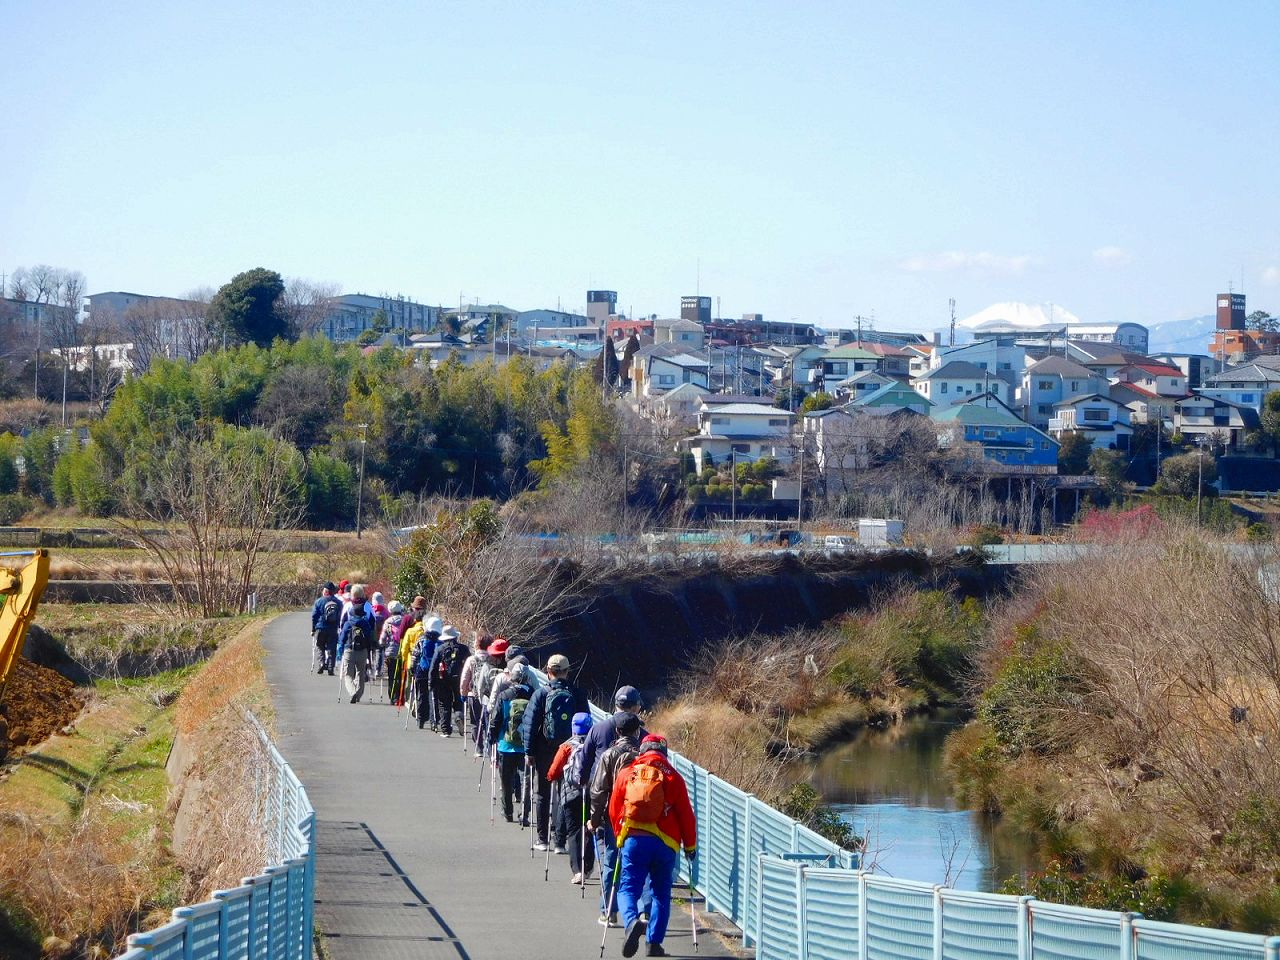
[37, 702]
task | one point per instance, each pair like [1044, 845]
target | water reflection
[890, 784]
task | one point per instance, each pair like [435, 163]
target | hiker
[653, 819]
[424, 648]
[506, 713]
[548, 723]
[325, 613]
[619, 754]
[626, 700]
[357, 640]
[410, 631]
[566, 770]
[486, 675]
[446, 674]
[350, 608]
[467, 683]
[378, 607]
[388, 648]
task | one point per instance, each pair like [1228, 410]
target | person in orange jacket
[653, 820]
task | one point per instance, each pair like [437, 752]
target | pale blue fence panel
[277, 932]
[899, 919]
[1154, 940]
[981, 926]
[235, 921]
[1076, 933]
[768, 831]
[778, 922]
[831, 929]
[167, 942]
[259, 917]
[806, 841]
[726, 883]
[205, 928]
[695, 779]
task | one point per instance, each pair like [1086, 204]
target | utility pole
[1199, 477]
[733, 490]
[364, 438]
[625, 485]
[951, 342]
[800, 495]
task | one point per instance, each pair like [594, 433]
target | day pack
[573, 765]
[452, 657]
[361, 637]
[422, 653]
[645, 797]
[515, 717]
[330, 612]
[485, 672]
[557, 718]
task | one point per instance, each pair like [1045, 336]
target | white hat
[449, 633]
[396, 607]
[377, 597]
[432, 624]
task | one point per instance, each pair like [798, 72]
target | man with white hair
[357, 640]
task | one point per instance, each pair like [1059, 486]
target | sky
[816, 161]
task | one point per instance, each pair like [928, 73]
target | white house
[999, 356]
[1248, 384]
[661, 367]
[1203, 415]
[1048, 381]
[741, 431]
[957, 380]
[859, 385]
[1158, 378]
[687, 333]
[681, 406]
[1103, 421]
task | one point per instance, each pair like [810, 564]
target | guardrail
[821, 913]
[267, 917]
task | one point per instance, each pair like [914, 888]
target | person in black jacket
[510, 753]
[548, 722]
[602, 735]
[446, 672]
[325, 613]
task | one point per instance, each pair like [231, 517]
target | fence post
[183, 915]
[224, 922]
[707, 904]
[862, 915]
[802, 914]
[1126, 935]
[1024, 929]
[309, 892]
[937, 922]
[750, 862]
[759, 858]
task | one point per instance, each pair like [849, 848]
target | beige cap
[558, 663]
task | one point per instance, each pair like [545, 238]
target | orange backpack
[644, 800]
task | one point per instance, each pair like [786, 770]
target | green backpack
[515, 717]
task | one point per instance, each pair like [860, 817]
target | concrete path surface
[408, 865]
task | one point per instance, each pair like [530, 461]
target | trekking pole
[693, 908]
[546, 867]
[493, 785]
[342, 669]
[532, 816]
[582, 850]
[613, 892]
[411, 698]
[464, 726]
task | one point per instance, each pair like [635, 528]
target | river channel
[890, 784]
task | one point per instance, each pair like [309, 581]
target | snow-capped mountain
[1191, 335]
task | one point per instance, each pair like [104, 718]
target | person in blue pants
[653, 821]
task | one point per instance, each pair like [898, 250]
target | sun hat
[343, 584]
[627, 697]
[396, 607]
[498, 648]
[449, 633]
[581, 723]
[377, 597]
[419, 603]
[432, 624]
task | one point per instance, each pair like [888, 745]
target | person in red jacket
[653, 820]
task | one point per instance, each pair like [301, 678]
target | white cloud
[959, 260]
[1271, 276]
[1112, 256]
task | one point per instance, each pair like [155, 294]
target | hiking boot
[559, 849]
[635, 930]
[608, 920]
[540, 846]
[446, 735]
[654, 950]
[576, 879]
[355, 698]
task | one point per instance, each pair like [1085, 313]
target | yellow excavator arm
[20, 590]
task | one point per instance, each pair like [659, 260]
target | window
[719, 421]
[1044, 444]
[1246, 398]
[1095, 414]
[1075, 386]
[777, 421]
[990, 433]
[741, 448]
[1006, 366]
[944, 387]
[982, 366]
[666, 379]
[1044, 408]
[1044, 385]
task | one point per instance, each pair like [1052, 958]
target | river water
[890, 784]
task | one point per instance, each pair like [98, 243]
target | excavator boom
[20, 590]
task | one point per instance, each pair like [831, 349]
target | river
[890, 784]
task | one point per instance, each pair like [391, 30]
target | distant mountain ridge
[1191, 335]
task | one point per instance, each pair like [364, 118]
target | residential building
[352, 314]
[1204, 416]
[895, 395]
[1000, 356]
[681, 406]
[895, 360]
[1048, 381]
[688, 333]
[661, 367]
[1144, 406]
[858, 385]
[114, 356]
[742, 431]
[1195, 367]
[485, 318]
[602, 306]
[1010, 445]
[784, 366]
[1104, 422]
[1158, 378]
[547, 324]
[957, 380]
[1240, 346]
[620, 328]
[843, 361]
[1247, 384]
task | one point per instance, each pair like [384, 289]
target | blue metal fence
[267, 917]
[810, 913]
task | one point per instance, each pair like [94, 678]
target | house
[957, 380]
[544, 324]
[1203, 415]
[801, 366]
[348, 316]
[895, 360]
[1104, 422]
[620, 328]
[687, 333]
[919, 358]
[483, 318]
[661, 367]
[894, 395]
[1195, 367]
[739, 431]
[1050, 380]
[858, 385]
[680, 407]
[1158, 378]
[1248, 384]
[1001, 357]
[1009, 444]
[844, 361]
[1143, 405]
[841, 438]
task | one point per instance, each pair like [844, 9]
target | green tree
[817, 401]
[1261, 320]
[1109, 467]
[789, 397]
[249, 308]
[380, 321]
[1073, 454]
[1271, 419]
[1178, 475]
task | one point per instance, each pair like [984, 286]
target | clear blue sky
[821, 159]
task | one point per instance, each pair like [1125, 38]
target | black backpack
[557, 717]
[362, 633]
[451, 656]
[331, 612]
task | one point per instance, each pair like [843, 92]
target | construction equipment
[20, 590]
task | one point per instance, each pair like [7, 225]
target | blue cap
[581, 722]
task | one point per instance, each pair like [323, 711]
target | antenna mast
[952, 305]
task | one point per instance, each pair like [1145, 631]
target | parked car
[839, 543]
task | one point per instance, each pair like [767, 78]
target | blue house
[1010, 445]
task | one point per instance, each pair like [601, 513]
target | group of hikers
[604, 793]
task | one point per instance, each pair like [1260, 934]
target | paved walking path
[407, 863]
